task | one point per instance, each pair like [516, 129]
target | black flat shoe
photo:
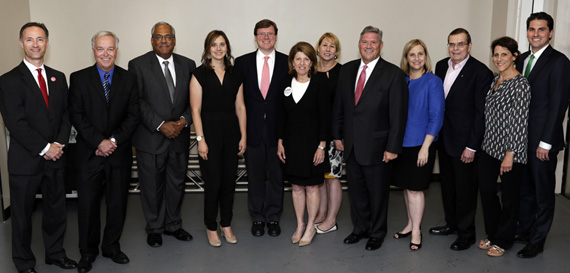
[29, 270]
[353, 239]
[374, 243]
[442, 230]
[118, 257]
[273, 229]
[179, 234]
[63, 262]
[416, 245]
[530, 251]
[257, 229]
[399, 235]
[154, 239]
[462, 244]
[85, 264]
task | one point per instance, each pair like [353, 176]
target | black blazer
[156, 105]
[550, 89]
[378, 122]
[303, 125]
[95, 120]
[464, 118]
[30, 123]
[259, 109]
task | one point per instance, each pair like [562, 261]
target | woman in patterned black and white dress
[504, 148]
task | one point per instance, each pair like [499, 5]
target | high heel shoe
[307, 242]
[231, 239]
[399, 235]
[416, 245]
[295, 239]
[213, 242]
[333, 228]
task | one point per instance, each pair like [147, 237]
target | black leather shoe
[85, 264]
[530, 251]
[29, 270]
[154, 239]
[180, 234]
[353, 239]
[442, 230]
[64, 262]
[462, 244]
[117, 257]
[273, 229]
[374, 243]
[257, 229]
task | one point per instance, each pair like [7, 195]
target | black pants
[23, 189]
[369, 191]
[459, 193]
[113, 184]
[500, 214]
[265, 181]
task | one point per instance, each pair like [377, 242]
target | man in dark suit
[104, 108]
[548, 72]
[162, 138]
[264, 70]
[369, 119]
[33, 102]
[466, 82]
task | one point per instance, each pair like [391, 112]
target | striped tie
[106, 87]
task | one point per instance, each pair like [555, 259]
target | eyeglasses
[167, 37]
[459, 45]
[266, 34]
[109, 50]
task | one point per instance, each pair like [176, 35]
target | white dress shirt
[452, 73]
[34, 70]
[260, 61]
[369, 69]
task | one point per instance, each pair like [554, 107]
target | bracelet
[321, 147]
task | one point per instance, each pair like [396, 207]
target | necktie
[360, 85]
[528, 66]
[265, 78]
[169, 80]
[106, 86]
[43, 87]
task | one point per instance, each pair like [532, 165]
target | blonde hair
[404, 65]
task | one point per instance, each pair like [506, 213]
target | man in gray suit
[162, 138]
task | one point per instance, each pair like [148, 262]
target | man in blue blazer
[369, 118]
[33, 102]
[263, 70]
[104, 108]
[466, 82]
[548, 72]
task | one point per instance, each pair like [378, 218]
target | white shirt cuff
[182, 117]
[470, 149]
[544, 145]
[44, 151]
[158, 128]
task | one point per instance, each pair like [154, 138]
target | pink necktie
[43, 87]
[265, 78]
[360, 85]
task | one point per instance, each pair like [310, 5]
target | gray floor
[327, 253]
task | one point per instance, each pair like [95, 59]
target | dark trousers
[500, 214]
[113, 183]
[368, 190]
[161, 178]
[537, 198]
[459, 193]
[23, 189]
[220, 170]
[265, 182]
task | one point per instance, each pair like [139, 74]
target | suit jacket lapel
[544, 58]
[352, 80]
[97, 84]
[115, 85]
[458, 83]
[159, 74]
[375, 74]
[52, 82]
[181, 76]
[33, 86]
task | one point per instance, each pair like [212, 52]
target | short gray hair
[372, 29]
[162, 23]
[104, 33]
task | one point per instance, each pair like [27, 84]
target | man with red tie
[33, 102]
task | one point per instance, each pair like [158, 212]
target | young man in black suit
[548, 73]
[162, 138]
[466, 82]
[104, 108]
[263, 70]
[369, 118]
[33, 102]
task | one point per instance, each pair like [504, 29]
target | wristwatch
[321, 147]
[112, 139]
[199, 138]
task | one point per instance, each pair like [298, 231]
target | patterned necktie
[106, 86]
[528, 66]
[360, 85]
[169, 80]
[265, 78]
[43, 87]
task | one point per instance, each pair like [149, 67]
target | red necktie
[43, 87]
[360, 85]
[265, 78]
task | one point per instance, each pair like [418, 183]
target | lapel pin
[53, 79]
